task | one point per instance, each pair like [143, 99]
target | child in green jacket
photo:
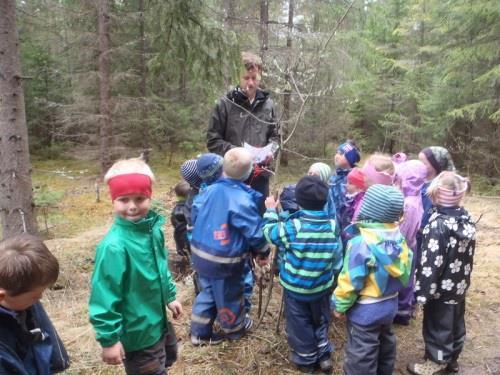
[131, 283]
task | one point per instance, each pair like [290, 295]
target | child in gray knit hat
[436, 159]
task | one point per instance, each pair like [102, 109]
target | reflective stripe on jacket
[227, 225]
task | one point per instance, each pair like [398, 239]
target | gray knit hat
[321, 170]
[439, 158]
[382, 204]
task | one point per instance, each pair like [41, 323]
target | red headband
[356, 178]
[128, 184]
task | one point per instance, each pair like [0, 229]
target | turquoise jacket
[310, 250]
[131, 284]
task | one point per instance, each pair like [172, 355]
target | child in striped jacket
[312, 256]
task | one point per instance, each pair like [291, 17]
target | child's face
[313, 172]
[132, 207]
[431, 173]
[341, 161]
[352, 189]
[21, 301]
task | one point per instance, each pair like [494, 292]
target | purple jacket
[411, 176]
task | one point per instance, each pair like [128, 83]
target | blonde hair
[238, 163]
[379, 169]
[382, 163]
[448, 189]
[128, 166]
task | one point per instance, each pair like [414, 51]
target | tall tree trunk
[16, 201]
[264, 28]
[228, 25]
[105, 129]
[228, 14]
[288, 90]
[142, 86]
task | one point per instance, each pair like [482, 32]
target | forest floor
[76, 223]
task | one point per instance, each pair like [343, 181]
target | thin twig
[318, 62]
[296, 88]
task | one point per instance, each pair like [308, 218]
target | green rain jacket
[131, 284]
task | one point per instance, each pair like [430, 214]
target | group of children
[350, 244]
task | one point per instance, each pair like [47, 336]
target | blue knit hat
[350, 152]
[287, 199]
[209, 167]
[189, 173]
[382, 204]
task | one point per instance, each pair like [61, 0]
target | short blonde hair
[238, 163]
[382, 163]
[128, 166]
[379, 169]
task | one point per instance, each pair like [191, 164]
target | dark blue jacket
[337, 200]
[287, 199]
[29, 343]
[227, 226]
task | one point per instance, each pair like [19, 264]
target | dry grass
[263, 351]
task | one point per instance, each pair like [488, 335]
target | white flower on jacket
[467, 269]
[469, 231]
[426, 229]
[434, 223]
[433, 244]
[447, 284]
[455, 266]
[461, 287]
[452, 242]
[438, 261]
[417, 286]
[433, 288]
[462, 246]
[471, 250]
[423, 259]
[426, 271]
[421, 299]
[451, 223]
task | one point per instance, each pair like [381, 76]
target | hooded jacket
[226, 227]
[376, 266]
[235, 120]
[29, 343]
[411, 176]
[447, 256]
[337, 199]
[131, 284]
[310, 250]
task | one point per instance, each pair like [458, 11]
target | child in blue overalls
[227, 228]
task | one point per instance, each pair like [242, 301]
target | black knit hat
[311, 193]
